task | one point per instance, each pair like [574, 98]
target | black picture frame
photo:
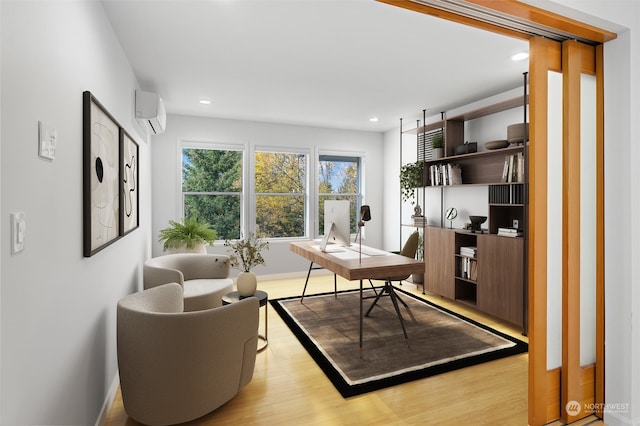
[101, 176]
[129, 191]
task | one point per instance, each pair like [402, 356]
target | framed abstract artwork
[101, 176]
[129, 192]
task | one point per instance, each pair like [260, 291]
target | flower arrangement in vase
[245, 254]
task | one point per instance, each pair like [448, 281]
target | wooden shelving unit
[498, 285]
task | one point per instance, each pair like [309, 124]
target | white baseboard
[108, 402]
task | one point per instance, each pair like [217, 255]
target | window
[339, 179]
[280, 194]
[212, 188]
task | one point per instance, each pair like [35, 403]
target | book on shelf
[513, 169]
[468, 251]
[445, 174]
[510, 232]
[469, 268]
[419, 221]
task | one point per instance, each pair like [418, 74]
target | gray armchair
[177, 366]
[204, 277]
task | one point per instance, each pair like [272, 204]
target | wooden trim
[544, 55]
[548, 19]
[450, 16]
[571, 66]
[523, 11]
[553, 396]
[600, 232]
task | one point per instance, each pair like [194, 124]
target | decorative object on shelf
[467, 148]
[476, 222]
[190, 235]
[517, 133]
[497, 144]
[245, 254]
[451, 214]
[410, 179]
[437, 143]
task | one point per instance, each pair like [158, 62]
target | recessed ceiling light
[205, 101]
[520, 56]
[373, 119]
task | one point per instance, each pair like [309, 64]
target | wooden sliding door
[565, 249]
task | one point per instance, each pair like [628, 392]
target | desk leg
[360, 318]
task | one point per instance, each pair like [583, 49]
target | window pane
[221, 211]
[338, 176]
[211, 170]
[280, 216]
[278, 172]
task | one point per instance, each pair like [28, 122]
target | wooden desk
[374, 267]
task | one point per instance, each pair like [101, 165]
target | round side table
[263, 298]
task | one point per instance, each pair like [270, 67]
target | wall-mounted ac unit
[150, 109]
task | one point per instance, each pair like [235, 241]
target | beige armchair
[204, 277]
[177, 366]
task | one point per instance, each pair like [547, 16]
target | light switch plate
[47, 141]
[18, 230]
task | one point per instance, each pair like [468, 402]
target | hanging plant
[410, 179]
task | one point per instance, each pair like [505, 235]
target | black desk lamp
[365, 216]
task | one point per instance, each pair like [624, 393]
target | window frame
[361, 182]
[254, 194]
[213, 145]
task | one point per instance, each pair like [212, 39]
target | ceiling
[324, 63]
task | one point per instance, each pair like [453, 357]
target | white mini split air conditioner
[150, 109]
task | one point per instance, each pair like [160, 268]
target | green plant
[187, 233]
[410, 179]
[437, 141]
[247, 252]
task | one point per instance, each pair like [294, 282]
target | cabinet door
[439, 261]
[500, 287]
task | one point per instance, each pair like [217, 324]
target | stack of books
[468, 251]
[419, 221]
[445, 174]
[510, 232]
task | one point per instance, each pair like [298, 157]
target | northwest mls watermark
[574, 408]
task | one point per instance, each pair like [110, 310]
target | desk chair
[409, 250]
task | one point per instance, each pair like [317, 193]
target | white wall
[58, 308]
[279, 259]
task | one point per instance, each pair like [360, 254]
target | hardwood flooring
[288, 388]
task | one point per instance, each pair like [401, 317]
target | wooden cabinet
[489, 278]
[500, 277]
[439, 261]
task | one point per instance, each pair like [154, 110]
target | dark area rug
[439, 340]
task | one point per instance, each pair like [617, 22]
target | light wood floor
[289, 388]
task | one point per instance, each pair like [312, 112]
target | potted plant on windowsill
[245, 254]
[190, 235]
